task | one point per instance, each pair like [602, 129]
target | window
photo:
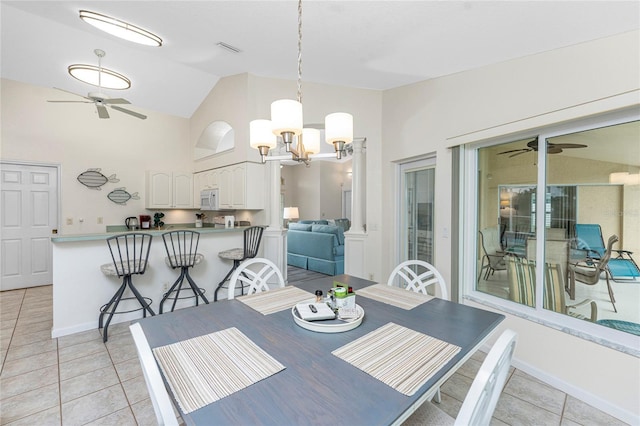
[590, 175]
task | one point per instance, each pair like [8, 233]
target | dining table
[316, 381]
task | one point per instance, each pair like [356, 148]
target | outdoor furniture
[317, 386]
[493, 256]
[481, 400]
[589, 271]
[252, 238]
[182, 252]
[622, 267]
[522, 281]
[130, 255]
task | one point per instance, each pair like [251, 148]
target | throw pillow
[299, 227]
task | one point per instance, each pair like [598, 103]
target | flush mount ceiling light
[98, 76]
[286, 122]
[120, 28]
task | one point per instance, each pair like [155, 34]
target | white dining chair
[255, 274]
[162, 405]
[418, 275]
[480, 402]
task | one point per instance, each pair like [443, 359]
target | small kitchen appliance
[131, 223]
[209, 199]
[145, 221]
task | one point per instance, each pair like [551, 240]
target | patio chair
[255, 278]
[481, 400]
[493, 256]
[589, 271]
[589, 241]
[522, 280]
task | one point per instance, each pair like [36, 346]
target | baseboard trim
[576, 392]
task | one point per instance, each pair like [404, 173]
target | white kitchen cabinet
[204, 180]
[241, 185]
[169, 190]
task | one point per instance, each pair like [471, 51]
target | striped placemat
[396, 296]
[398, 356]
[205, 369]
[268, 302]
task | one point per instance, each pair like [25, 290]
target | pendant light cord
[300, 51]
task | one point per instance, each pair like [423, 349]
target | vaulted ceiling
[367, 44]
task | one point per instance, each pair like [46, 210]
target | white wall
[73, 136]
[425, 117]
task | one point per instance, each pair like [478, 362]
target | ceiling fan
[552, 148]
[101, 100]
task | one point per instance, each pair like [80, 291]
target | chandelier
[286, 122]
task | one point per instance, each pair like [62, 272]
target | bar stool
[252, 238]
[182, 252]
[130, 255]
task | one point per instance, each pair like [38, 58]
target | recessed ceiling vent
[228, 47]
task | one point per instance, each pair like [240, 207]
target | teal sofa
[316, 246]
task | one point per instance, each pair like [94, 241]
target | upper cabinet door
[159, 190]
[182, 190]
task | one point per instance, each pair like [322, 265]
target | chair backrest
[255, 273]
[490, 241]
[592, 276]
[521, 274]
[130, 252]
[162, 405]
[556, 252]
[522, 284]
[252, 238]
[589, 237]
[181, 247]
[481, 400]
[417, 275]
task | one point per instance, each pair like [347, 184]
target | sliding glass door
[416, 210]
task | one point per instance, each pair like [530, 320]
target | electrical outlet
[165, 287]
[370, 277]
[99, 221]
[69, 221]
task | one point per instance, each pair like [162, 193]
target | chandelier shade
[286, 117]
[338, 127]
[260, 134]
[311, 140]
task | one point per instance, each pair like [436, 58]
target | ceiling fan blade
[554, 150]
[102, 111]
[523, 150]
[133, 113]
[568, 145]
[115, 101]
[74, 94]
[518, 153]
[73, 102]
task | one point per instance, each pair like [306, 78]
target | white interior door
[29, 214]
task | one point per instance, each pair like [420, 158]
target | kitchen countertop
[103, 236]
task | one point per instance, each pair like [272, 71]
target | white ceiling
[368, 44]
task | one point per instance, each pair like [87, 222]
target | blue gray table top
[316, 387]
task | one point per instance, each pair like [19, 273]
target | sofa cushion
[300, 227]
[330, 229]
[314, 222]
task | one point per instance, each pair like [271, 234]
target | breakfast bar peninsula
[80, 288]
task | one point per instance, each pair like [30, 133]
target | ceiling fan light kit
[287, 122]
[120, 28]
[101, 77]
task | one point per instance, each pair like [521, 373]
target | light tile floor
[78, 380]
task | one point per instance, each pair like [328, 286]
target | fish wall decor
[121, 196]
[93, 179]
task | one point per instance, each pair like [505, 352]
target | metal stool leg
[114, 302]
[215, 293]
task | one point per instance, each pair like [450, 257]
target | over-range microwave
[209, 199]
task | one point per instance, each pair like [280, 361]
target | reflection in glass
[592, 177]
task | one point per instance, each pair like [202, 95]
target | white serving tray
[329, 326]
